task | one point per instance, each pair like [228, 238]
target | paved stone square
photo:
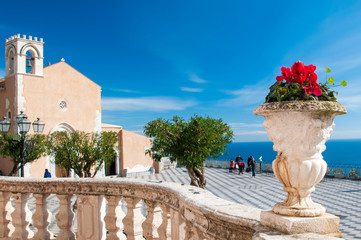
[340, 197]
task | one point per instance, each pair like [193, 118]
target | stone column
[164, 230]
[19, 216]
[119, 210]
[133, 220]
[90, 225]
[4, 199]
[175, 223]
[111, 217]
[153, 220]
[40, 217]
[64, 217]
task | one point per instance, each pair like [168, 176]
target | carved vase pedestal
[299, 131]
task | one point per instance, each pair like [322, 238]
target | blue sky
[217, 58]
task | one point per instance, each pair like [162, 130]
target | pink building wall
[133, 148]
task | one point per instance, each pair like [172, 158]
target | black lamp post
[24, 127]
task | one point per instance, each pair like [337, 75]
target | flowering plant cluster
[301, 84]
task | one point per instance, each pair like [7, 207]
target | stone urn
[299, 131]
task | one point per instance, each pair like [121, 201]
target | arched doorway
[57, 170]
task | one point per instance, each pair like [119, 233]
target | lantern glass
[4, 125]
[38, 126]
[24, 125]
[20, 116]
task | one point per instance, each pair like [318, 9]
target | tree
[83, 152]
[190, 143]
[10, 146]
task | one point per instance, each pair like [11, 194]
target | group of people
[251, 165]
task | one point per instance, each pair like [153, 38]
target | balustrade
[121, 209]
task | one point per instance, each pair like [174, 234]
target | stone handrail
[125, 208]
[174, 211]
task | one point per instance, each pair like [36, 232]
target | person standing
[47, 174]
[241, 167]
[252, 163]
[231, 165]
[238, 159]
[249, 164]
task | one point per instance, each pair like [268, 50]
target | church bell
[28, 63]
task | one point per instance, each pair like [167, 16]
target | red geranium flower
[303, 75]
[314, 88]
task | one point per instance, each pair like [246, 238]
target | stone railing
[122, 209]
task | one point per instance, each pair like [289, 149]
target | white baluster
[111, 217]
[152, 222]
[133, 220]
[4, 199]
[19, 216]
[40, 217]
[164, 229]
[90, 225]
[64, 217]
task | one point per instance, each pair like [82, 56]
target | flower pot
[299, 131]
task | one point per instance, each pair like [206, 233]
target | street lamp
[24, 126]
[4, 125]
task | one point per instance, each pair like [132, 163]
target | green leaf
[331, 81]
[328, 70]
[343, 83]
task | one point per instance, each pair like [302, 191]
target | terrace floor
[340, 197]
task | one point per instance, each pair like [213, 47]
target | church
[65, 100]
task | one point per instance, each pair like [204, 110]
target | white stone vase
[299, 131]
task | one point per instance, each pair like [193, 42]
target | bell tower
[24, 55]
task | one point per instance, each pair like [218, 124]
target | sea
[345, 153]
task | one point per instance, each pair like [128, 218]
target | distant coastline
[338, 151]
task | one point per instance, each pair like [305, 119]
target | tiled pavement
[340, 197]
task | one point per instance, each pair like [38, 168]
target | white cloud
[239, 133]
[352, 103]
[121, 90]
[137, 132]
[155, 104]
[248, 95]
[194, 78]
[245, 125]
[187, 89]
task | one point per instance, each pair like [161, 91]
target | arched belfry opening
[30, 63]
[11, 56]
[24, 55]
